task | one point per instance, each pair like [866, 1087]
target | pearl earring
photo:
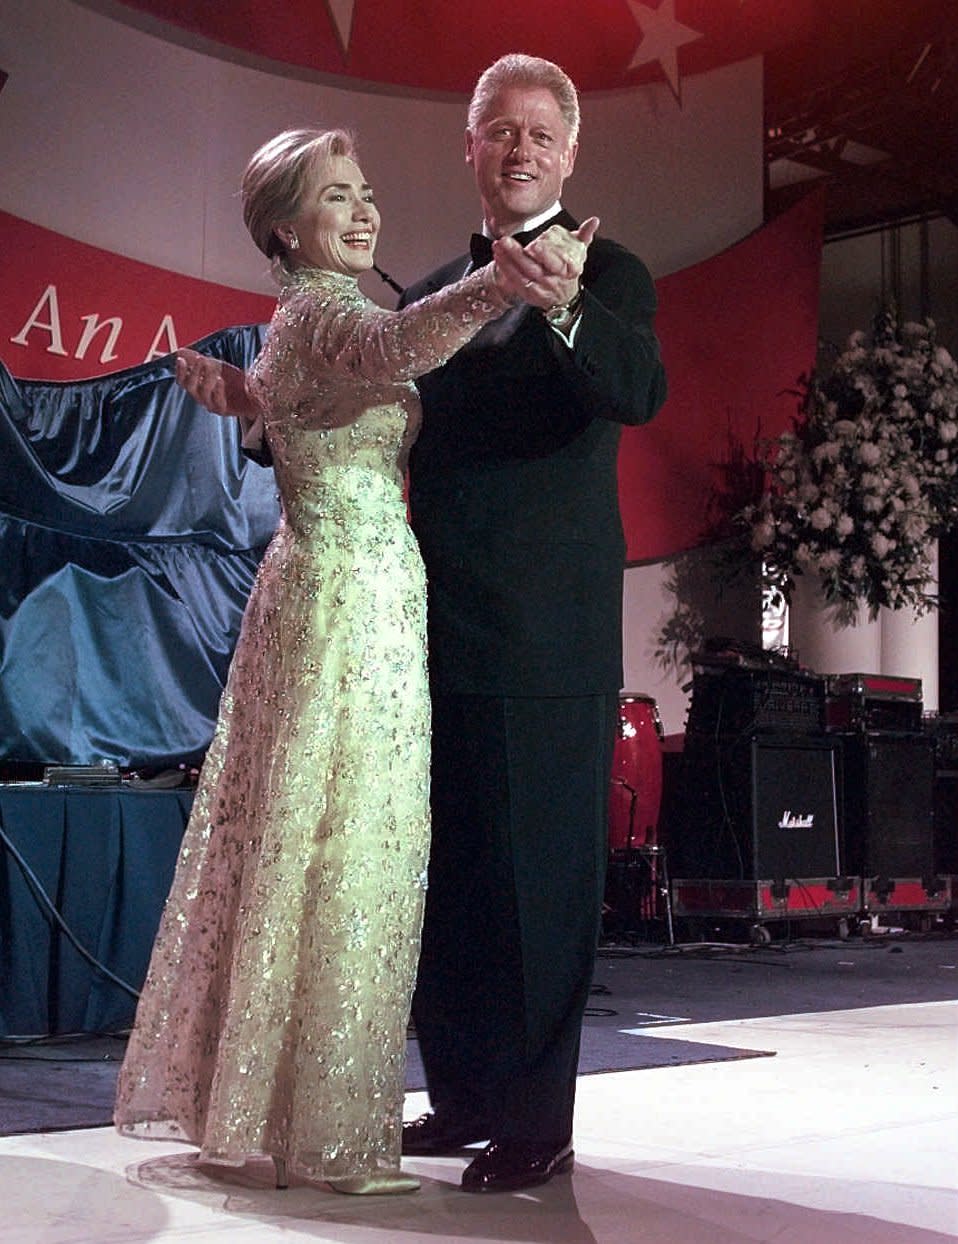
[293, 242]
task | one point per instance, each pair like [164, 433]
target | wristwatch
[564, 315]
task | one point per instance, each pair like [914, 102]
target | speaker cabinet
[762, 807]
[889, 805]
[946, 822]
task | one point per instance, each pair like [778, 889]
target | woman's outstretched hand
[218, 386]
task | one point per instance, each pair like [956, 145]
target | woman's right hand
[218, 386]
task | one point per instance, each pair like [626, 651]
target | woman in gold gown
[273, 1018]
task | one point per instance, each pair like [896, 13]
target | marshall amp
[942, 729]
[735, 700]
[873, 702]
[758, 807]
[889, 808]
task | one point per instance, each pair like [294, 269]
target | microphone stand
[393, 285]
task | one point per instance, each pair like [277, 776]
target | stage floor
[848, 1134]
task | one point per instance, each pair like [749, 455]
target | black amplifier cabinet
[888, 804]
[946, 823]
[758, 807]
[734, 700]
[873, 702]
[943, 729]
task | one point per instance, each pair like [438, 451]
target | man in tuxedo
[513, 498]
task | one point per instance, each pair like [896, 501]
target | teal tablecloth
[105, 857]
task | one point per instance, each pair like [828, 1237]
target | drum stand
[650, 862]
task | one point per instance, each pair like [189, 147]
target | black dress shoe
[508, 1165]
[433, 1134]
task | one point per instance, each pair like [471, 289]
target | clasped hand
[546, 272]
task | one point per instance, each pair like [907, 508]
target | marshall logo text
[797, 820]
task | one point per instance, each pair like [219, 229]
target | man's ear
[469, 146]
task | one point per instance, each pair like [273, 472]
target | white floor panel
[848, 1134]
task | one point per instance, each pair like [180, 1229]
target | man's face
[521, 154]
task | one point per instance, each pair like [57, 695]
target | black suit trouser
[513, 908]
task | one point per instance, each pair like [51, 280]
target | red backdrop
[445, 44]
[53, 290]
[737, 332]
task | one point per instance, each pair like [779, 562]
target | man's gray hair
[520, 70]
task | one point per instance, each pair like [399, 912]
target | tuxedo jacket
[513, 486]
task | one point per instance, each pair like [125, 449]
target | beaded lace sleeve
[324, 320]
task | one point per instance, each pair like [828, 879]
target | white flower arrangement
[867, 478]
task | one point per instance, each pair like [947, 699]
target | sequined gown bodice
[273, 1019]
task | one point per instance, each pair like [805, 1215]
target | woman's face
[338, 223]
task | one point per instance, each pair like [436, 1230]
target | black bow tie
[480, 247]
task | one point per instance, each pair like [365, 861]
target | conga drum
[635, 796]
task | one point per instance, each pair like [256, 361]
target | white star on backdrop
[341, 11]
[662, 36]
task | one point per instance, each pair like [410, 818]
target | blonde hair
[277, 178]
[517, 69]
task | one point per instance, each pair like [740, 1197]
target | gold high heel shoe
[382, 1183]
[282, 1180]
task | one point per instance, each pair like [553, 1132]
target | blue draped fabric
[131, 527]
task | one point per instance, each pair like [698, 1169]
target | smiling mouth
[522, 178]
[362, 240]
